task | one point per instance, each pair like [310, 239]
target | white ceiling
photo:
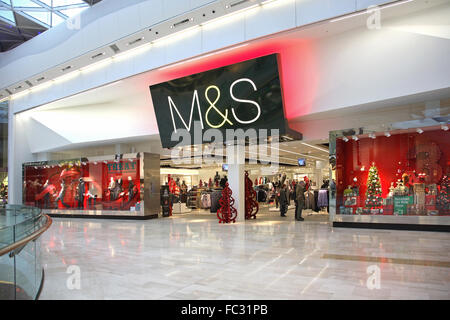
[108, 113]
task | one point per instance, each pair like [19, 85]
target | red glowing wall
[412, 153]
[297, 67]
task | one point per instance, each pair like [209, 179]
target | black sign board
[239, 96]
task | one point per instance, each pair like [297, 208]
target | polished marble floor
[192, 256]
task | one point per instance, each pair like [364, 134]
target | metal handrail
[27, 239]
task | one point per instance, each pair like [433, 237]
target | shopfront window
[83, 185]
[3, 152]
[402, 172]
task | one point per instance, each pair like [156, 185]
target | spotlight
[444, 127]
[95, 162]
[372, 136]
[387, 134]
[355, 138]
[419, 131]
[345, 139]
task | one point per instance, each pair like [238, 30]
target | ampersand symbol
[213, 106]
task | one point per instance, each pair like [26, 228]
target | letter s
[245, 101]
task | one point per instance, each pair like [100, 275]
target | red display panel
[83, 185]
[404, 174]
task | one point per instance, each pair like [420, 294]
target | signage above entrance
[245, 95]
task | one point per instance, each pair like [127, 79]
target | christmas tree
[227, 212]
[373, 193]
[443, 199]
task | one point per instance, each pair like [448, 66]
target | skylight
[47, 13]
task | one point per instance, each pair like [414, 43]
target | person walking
[294, 196]
[300, 194]
[284, 201]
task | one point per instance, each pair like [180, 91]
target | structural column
[18, 153]
[236, 165]
[236, 183]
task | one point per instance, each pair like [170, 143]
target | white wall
[108, 21]
[357, 67]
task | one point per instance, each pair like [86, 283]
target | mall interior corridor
[235, 157]
[195, 257]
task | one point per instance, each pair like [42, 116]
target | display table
[180, 207]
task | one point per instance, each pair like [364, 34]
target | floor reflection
[192, 256]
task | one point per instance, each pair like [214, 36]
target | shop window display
[83, 185]
[403, 173]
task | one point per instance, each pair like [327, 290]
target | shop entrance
[196, 187]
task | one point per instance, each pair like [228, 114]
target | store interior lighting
[444, 127]
[387, 134]
[355, 138]
[318, 148]
[345, 139]
[419, 131]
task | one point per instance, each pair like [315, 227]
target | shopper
[294, 187]
[300, 194]
[284, 201]
[276, 191]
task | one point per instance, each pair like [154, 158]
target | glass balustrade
[21, 271]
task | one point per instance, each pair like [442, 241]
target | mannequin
[305, 178]
[92, 197]
[61, 195]
[130, 189]
[80, 193]
[47, 196]
[111, 188]
[183, 191]
[216, 177]
[119, 188]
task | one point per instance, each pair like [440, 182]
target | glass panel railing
[21, 271]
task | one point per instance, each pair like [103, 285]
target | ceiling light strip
[91, 67]
[201, 57]
[315, 147]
